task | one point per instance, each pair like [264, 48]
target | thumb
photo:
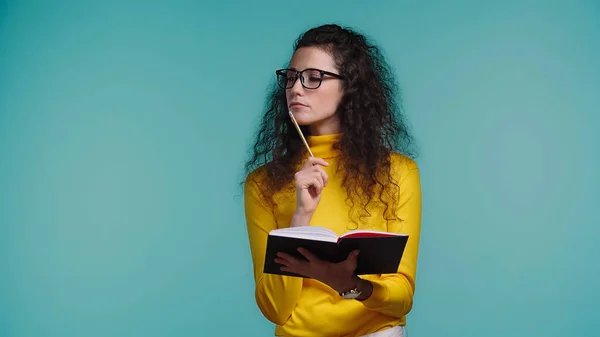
[352, 257]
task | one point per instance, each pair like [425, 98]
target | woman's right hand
[310, 181]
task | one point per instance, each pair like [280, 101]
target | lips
[297, 104]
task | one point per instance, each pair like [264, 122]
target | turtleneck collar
[322, 145]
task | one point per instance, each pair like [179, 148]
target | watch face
[351, 294]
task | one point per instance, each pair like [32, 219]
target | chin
[304, 117]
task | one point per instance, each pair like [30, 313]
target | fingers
[312, 176]
[351, 260]
[312, 161]
[323, 175]
[317, 183]
[308, 255]
[291, 264]
[286, 260]
[304, 181]
[353, 256]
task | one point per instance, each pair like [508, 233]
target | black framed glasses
[310, 78]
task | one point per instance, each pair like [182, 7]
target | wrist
[364, 287]
[301, 218]
[346, 284]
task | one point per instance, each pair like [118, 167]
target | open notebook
[380, 252]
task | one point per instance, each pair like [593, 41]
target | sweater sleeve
[393, 293]
[276, 295]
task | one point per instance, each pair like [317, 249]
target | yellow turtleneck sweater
[306, 307]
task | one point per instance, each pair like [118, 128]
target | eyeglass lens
[310, 79]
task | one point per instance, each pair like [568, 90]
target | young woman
[360, 176]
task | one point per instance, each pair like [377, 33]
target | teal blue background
[124, 126]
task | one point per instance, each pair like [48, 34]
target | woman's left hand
[339, 276]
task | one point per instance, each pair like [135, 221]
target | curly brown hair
[372, 123]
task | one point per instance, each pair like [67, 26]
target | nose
[297, 88]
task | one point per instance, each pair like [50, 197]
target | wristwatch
[352, 293]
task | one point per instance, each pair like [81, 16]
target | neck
[322, 146]
[327, 126]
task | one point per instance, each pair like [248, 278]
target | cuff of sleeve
[379, 296]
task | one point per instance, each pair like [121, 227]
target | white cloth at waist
[397, 331]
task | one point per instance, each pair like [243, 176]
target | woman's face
[315, 107]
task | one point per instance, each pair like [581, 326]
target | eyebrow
[316, 68]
